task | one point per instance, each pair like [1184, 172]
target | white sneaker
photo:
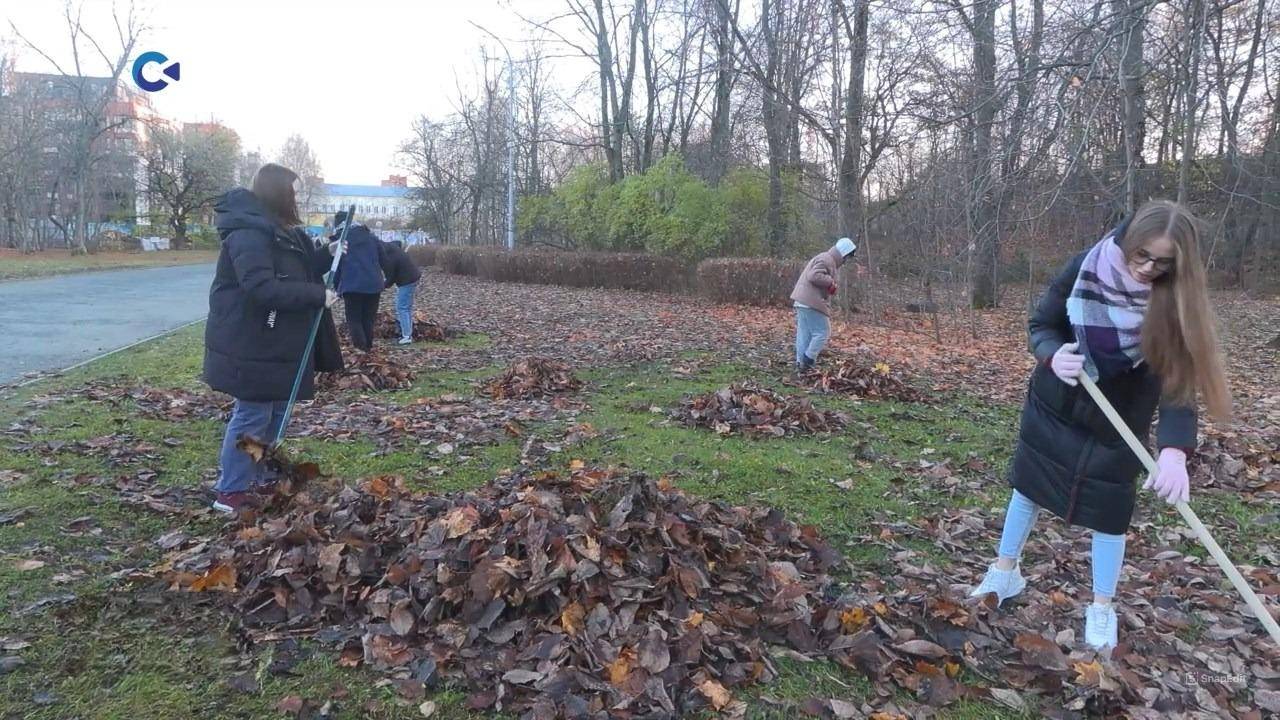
[1100, 626]
[405, 341]
[1004, 583]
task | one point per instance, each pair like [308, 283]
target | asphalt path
[53, 323]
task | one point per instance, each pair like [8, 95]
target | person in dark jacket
[266, 292]
[811, 297]
[400, 270]
[359, 280]
[1133, 312]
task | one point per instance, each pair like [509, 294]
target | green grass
[14, 265]
[126, 650]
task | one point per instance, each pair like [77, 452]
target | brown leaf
[654, 655]
[1041, 652]
[290, 705]
[351, 656]
[1008, 698]
[571, 618]
[402, 619]
[844, 710]
[255, 448]
[620, 668]
[220, 577]
[922, 648]
[460, 520]
[853, 620]
[522, 677]
[715, 693]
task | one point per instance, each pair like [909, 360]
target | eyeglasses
[1163, 264]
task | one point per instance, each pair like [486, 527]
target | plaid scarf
[1106, 308]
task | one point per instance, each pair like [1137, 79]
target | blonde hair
[1179, 339]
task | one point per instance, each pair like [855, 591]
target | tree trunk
[1131, 16]
[773, 129]
[981, 210]
[1191, 106]
[604, 59]
[851, 199]
[719, 161]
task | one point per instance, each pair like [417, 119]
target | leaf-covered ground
[104, 478]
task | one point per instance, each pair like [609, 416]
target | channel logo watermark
[151, 57]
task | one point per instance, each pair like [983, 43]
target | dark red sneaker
[233, 502]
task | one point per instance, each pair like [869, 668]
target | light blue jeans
[404, 308]
[1108, 550]
[257, 419]
[812, 330]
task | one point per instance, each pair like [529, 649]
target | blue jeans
[1107, 551]
[258, 419]
[812, 330]
[404, 308]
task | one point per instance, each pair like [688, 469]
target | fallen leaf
[922, 648]
[715, 693]
[620, 668]
[1008, 698]
[844, 710]
[571, 618]
[220, 577]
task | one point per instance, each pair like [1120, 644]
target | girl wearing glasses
[1132, 312]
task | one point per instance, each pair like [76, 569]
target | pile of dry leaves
[862, 377]
[750, 409]
[592, 595]
[387, 327]
[532, 377]
[1188, 646]
[367, 371]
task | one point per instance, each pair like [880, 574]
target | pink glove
[1066, 364]
[1170, 480]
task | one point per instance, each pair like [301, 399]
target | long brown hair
[1178, 334]
[273, 184]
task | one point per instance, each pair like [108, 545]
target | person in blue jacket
[359, 280]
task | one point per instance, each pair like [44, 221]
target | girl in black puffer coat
[1133, 312]
[266, 291]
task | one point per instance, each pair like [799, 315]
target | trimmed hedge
[423, 255]
[623, 271]
[748, 281]
[741, 281]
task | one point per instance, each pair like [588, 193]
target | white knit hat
[846, 247]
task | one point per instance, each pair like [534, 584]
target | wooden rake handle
[1186, 512]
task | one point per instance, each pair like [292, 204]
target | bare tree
[297, 155]
[187, 170]
[88, 100]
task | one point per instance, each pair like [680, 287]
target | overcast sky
[350, 76]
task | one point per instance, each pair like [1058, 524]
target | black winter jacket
[266, 290]
[1069, 459]
[397, 267]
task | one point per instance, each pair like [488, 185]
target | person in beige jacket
[811, 296]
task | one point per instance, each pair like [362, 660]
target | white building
[373, 202]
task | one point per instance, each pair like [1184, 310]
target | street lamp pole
[511, 155]
[511, 139]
